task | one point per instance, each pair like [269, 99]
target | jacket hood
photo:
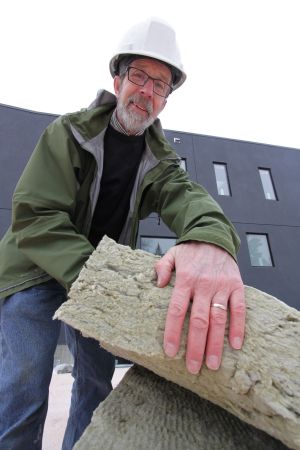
[102, 98]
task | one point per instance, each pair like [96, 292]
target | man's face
[139, 106]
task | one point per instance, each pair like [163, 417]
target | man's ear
[117, 84]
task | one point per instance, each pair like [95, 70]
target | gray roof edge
[28, 110]
[166, 129]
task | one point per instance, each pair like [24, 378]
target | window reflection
[267, 183]
[259, 250]
[183, 163]
[156, 245]
[222, 178]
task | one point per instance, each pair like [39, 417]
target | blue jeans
[28, 338]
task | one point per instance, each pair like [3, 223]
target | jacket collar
[88, 127]
[104, 97]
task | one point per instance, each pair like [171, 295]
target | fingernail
[237, 343]
[193, 367]
[170, 350]
[212, 362]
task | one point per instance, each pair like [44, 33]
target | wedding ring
[218, 305]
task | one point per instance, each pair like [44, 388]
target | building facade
[257, 186]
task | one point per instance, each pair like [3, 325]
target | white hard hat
[153, 39]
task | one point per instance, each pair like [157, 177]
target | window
[259, 250]
[222, 179]
[267, 183]
[156, 245]
[183, 163]
[176, 140]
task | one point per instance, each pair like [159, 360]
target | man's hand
[206, 275]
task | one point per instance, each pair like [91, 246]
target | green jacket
[55, 198]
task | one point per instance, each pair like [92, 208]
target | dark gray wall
[246, 207]
[19, 132]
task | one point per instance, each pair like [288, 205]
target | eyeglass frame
[151, 78]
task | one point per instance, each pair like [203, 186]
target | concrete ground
[59, 402]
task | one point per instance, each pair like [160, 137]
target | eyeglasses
[140, 78]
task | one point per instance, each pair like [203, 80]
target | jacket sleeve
[43, 208]
[188, 210]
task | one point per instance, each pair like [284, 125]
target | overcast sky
[241, 58]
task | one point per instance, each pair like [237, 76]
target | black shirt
[122, 155]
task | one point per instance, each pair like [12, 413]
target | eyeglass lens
[140, 78]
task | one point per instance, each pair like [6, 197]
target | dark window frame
[224, 164]
[185, 164]
[268, 169]
[249, 233]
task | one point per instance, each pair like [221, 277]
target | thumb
[164, 268]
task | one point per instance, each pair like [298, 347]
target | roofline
[165, 129]
[233, 139]
[29, 110]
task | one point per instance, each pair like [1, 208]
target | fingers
[164, 268]
[197, 335]
[178, 306]
[237, 318]
[206, 330]
[210, 278]
[217, 324]
[208, 324]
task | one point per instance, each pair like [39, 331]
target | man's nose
[147, 89]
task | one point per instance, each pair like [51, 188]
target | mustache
[141, 101]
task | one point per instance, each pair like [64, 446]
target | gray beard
[131, 121]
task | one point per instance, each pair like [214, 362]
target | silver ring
[218, 305]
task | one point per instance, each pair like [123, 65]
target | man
[97, 172]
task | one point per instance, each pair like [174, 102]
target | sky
[241, 57]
